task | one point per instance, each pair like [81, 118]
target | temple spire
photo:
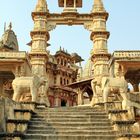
[4, 26]
[98, 6]
[10, 26]
[41, 6]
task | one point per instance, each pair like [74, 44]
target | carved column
[80, 97]
[57, 101]
[40, 36]
[99, 36]
[135, 85]
[1, 86]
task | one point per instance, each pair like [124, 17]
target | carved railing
[13, 55]
[134, 96]
[127, 54]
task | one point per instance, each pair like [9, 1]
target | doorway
[63, 103]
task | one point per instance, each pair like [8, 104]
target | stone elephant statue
[22, 85]
[110, 84]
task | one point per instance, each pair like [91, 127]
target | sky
[123, 25]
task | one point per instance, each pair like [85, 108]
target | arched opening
[65, 63]
[70, 37]
[58, 61]
[67, 82]
[61, 81]
[61, 61]
[63, 103]
[86, 98]
[64, 81]
[130, 87]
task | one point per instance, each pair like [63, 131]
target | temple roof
[78, 3]
[9, 40]
[62, 52]
[76, 57]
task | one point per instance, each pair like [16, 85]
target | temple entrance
[63, 103]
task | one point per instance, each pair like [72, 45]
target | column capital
[104, 34]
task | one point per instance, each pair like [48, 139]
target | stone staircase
[73, 123]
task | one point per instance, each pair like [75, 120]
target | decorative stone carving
[7, 85]
[89, 26]
[51, 26]
[22, 85]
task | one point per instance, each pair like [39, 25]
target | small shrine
[70, 5]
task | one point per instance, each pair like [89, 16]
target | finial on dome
[41, 6]
[98, 6]
[4, 26]
[10, 26]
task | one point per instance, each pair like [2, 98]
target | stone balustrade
[14, 118]
[13, 55]
[134, 97]
[128, 54]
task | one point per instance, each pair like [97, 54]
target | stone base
[70, 10]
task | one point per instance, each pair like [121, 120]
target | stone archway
[133, 77]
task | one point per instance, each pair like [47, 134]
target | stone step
[88, 119]
[68, 116]
[72, 132]
[61, 128]
[69, 110]
[73, 113]
[68, 137]
[74, 108]
[74, 123]
[68, 124]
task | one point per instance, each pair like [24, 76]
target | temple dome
[87, 71]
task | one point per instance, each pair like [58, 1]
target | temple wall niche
[6, 79]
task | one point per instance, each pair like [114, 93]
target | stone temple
[51, 97]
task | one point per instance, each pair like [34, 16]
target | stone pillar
[57, 101]
[80, 97]
[2, 115]
[40, 36]
[99, 36]
[135, 84]
[68, 103]
[1, 86]
[65, 4]
[75, 4]
[136, 87]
